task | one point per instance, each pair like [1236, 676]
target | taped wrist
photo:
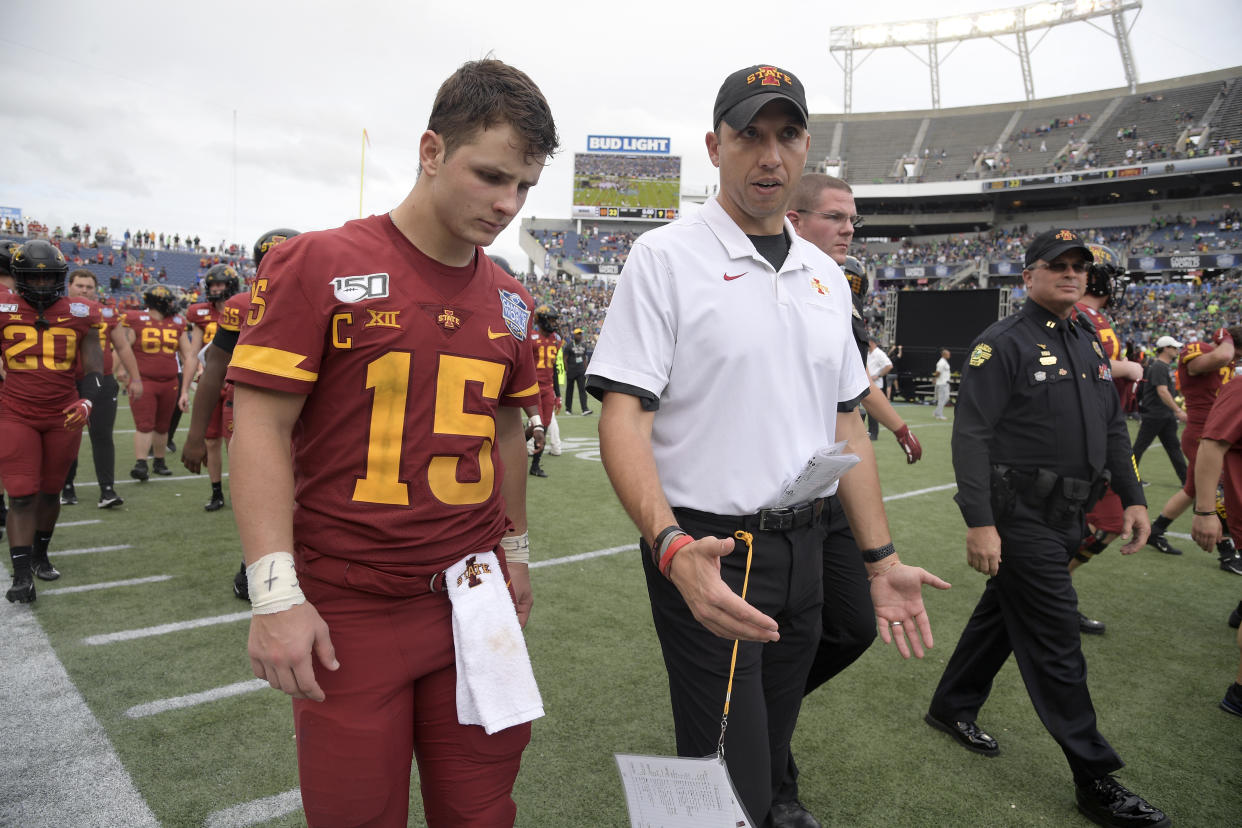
[517, 548]
[273, 584]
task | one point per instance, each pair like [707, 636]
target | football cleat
[159, 468]
[68, 496]
[109, 498]
[22, 591]
[1161, 542]
[44, 570]
[214, 505]
[241, 586]
[139, 471]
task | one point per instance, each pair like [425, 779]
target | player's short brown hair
[484, 93]
[83, 273]
[806, 193]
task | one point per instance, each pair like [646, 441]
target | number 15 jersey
[405, 363]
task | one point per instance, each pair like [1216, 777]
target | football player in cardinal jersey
[214, 397]
[220, 283]
[157, 336]
[545, 344]
[380, 377]
[1202, 369]
[1104, 520]
[42, 411]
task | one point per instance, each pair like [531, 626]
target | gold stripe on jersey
[272, 361]
[526, 392]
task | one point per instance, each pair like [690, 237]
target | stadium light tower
[1018, 21]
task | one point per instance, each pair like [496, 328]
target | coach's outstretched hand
[280, 650]
[695, 571]
[897, 594]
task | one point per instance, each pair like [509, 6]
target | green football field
[646, 193]
[161, 667]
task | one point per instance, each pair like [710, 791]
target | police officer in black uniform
[1038, 435]
[577, 354]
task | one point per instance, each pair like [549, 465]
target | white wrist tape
[273, 582]
[517, 548]
[536, 421]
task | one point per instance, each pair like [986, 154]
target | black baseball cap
[746, 91]
[1052, 243]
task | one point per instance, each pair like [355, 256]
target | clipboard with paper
[824, 468]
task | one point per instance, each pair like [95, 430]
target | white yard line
[153, 579]
[138, 711]
[165, 629]
[256, 811]
[56, 553]
[62, 525]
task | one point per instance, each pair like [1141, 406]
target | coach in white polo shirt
[721, 363]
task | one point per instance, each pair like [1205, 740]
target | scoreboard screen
[614, 186]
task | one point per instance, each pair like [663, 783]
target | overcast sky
[231, 118]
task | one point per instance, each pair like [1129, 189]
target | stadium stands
[1090, 130]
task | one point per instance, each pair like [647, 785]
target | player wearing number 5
[393, 357]
[41, 413]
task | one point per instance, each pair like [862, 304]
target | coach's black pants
[103, 451]
[570, 382]
[1030, 608]
[786, 584]
[1166, 429]
[848, 616]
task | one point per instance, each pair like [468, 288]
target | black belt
[765, 520]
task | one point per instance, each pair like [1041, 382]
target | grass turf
[867, 758]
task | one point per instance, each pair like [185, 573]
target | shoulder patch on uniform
[8, 308]
[360, 288]
[78, 309]
[1098, 350]
[107, 313]
[515, 312]
[981, 354]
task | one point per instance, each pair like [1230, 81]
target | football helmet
[856, 275]
[39, 270]
[160, 298]
[7, 247]
[225, 279]
[1105, 273]
[269, 240]
[547, 318]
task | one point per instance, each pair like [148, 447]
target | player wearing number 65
[381, 375]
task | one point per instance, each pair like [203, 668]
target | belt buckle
[776, 520]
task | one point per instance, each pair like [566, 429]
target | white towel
[495, 684]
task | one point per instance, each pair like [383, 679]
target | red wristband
[666, 560]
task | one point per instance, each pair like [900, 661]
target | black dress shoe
[968, 735]
[791, 815]
[1090, 626]
[1105, 801]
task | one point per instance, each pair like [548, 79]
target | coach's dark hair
[81, 271]
[810, 185]
[484, 93]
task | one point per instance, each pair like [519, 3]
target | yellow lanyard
[747, 538]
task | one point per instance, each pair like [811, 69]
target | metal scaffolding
[844, 41]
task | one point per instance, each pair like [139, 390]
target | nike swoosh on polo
[493, 335]
[729, 278]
